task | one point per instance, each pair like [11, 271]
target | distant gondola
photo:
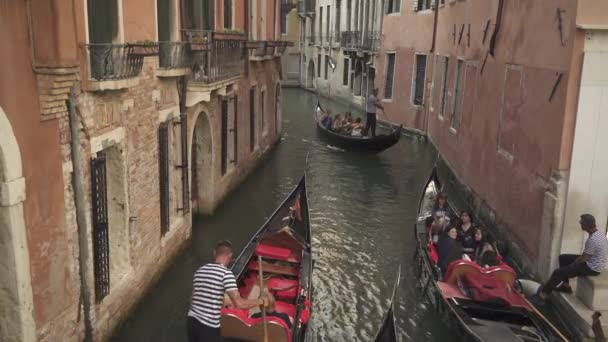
[283, 245]
[388, 331]
[375, 144]
[492, 309]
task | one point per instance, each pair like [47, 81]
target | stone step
[578, 315]
[593, 291]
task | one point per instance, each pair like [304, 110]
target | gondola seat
[277, 253]
[458, 268]
[285, 289]
[236, 324]
[275, 269]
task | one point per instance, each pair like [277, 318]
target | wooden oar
[261, 276]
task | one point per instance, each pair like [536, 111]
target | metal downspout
[81, 222]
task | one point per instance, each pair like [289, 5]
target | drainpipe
[433, 43]
[81, 222]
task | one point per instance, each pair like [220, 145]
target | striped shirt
[211, 281]
[596, 247]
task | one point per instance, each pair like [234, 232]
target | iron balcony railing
[114, 61]
[356, 40]
[215, 56]
[173, 55]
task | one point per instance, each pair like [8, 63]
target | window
[390, 70]
[327, 23]
[393, 6]
[163, 167]
[326, 65]
[319, 65]
[235, 132]
[198, 14]
[252, 120]
[422, 5]
[349, 9]
[419, 80]
[224, 132]
[286, 8]
[263, 111]
[457, 93]
[228, 14]
[338, 9]
[103, 21]
[165, 10]
[321, 24]
[345, 71]
[442, 71]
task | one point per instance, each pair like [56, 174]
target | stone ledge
[172, 72]
[593, 291]
[112, 84]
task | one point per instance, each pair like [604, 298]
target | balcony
[307, 7]
[217, 60]
[114, 66]
[356, 40]
[260, 50]
[173, 59]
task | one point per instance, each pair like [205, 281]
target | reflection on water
[362, 208]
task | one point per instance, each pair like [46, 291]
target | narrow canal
[362, 210]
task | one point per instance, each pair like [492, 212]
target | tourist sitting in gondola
[466, 234]
[326, 119]
[337, 123]
[440, 208]
[356, 128]
[448, 248]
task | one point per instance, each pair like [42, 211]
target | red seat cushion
[272, 252]
[290, 287]
[285, 308]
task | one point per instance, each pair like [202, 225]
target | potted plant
[144, 48]
[198, 41]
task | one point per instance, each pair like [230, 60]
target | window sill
[112, 84]
[177, 72]
[508, 156]
[393, 14]
[425, 11]
[453, 130]
[441, 118]
[387, 100]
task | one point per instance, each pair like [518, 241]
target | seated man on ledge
[591, 263]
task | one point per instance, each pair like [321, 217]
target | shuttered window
[163, 167]
[326, 65]
[393, 6]
[390, 70]
[345, 71]
[319, 65]
[224, 132]
[228, 14]
[235, 131]
[419, 80]
[103, 21]
[457, 94]
[252, 124]
[444, 80]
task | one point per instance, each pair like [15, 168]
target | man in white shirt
[590, 263]
[372, 104]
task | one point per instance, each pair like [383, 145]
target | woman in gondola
[466, 234]
[448, 248]
[440, 208]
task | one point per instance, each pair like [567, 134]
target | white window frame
[457, 94]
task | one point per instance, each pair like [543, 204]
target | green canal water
[362, 211]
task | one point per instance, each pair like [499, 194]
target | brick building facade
[173, 102]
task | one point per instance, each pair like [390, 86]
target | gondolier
[211, 282]
[372, 104]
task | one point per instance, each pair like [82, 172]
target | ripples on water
[362, 211]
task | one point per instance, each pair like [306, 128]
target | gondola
[388, 331]
[375, 144]
[484, 303]
[281, 252]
